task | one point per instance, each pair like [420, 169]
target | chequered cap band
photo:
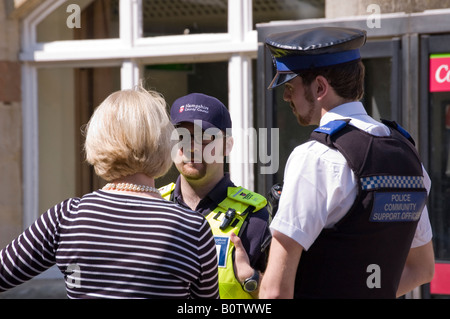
[374, 182]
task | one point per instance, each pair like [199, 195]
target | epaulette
[246, 196]
[332, 127]
[324, 133]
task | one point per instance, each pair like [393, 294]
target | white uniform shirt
[319, 186]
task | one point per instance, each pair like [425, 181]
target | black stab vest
[363, 255]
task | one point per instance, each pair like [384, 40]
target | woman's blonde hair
[129, 133]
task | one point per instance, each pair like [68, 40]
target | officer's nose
[189, 145]
[195, 146]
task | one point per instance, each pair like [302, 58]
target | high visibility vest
[244, 203]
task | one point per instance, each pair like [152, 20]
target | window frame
[131, 52]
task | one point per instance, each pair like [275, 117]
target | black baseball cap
[203, 109]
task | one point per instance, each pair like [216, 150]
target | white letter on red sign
[438, 73]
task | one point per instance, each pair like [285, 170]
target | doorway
[435, 110]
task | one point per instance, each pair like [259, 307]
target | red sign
[441, 280]
[440, 73]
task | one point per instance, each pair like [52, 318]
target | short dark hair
[346, 79]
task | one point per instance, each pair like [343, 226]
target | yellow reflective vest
[243, 202]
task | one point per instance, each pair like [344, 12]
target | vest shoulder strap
[238, 194]
[247, 197]
[397, 127]
[332, 127]
[324, 133]
[167, 190]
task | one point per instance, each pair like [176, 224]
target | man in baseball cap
[238, 217]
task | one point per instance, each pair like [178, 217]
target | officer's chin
[192, 170]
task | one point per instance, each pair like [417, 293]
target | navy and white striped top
[117, 246]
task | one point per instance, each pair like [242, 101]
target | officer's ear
[321, 87]
[229, 142]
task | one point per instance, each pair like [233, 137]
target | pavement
[37, 289]
[48, 285]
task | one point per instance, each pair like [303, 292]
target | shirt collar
[346, 110]
[212, 199]
[359, 118]
[219, 192]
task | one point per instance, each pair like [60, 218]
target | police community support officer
[204, 127]
[352, 220]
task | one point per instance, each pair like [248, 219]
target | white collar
[346, 110]
[359, 118]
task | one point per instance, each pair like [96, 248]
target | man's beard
[192, 167]
[307, 119]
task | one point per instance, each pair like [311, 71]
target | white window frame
[129, 52]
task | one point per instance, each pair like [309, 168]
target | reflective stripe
[374, 182]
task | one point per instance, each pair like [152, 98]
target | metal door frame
[430, 44]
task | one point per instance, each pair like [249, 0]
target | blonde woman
[123, 241]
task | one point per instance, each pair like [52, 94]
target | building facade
[60, 58]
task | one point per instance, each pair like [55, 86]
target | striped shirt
[111, 245]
